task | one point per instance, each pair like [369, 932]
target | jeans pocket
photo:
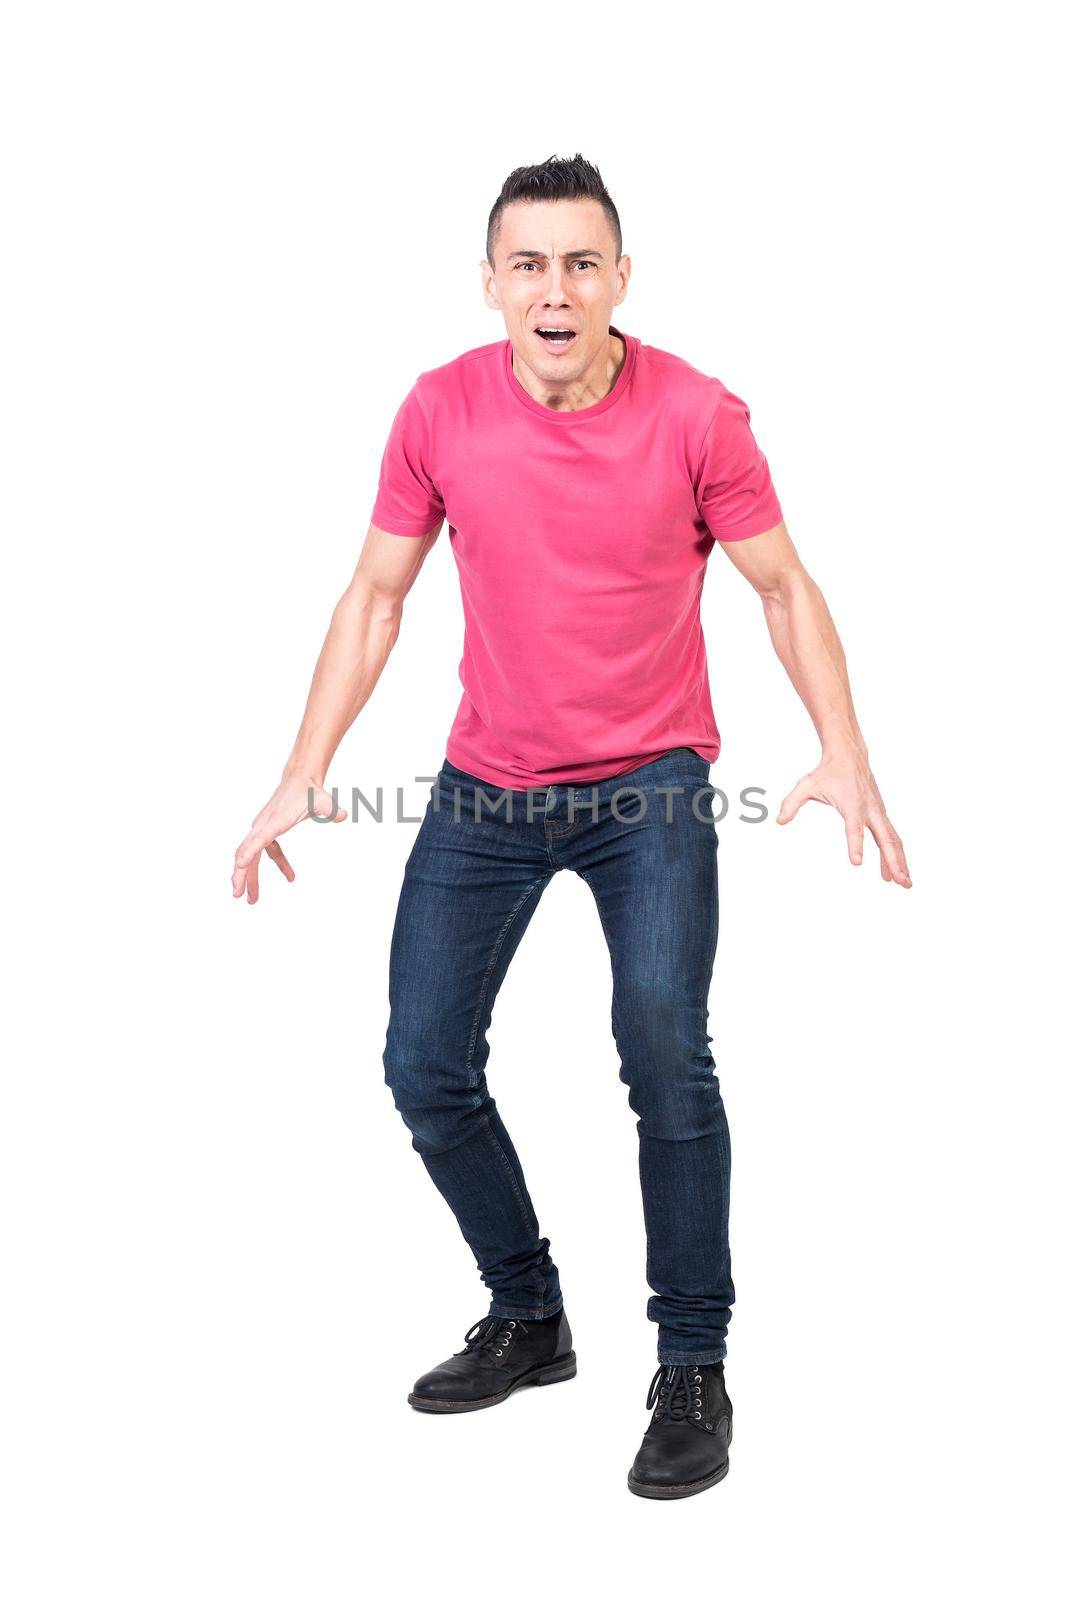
[700, 767]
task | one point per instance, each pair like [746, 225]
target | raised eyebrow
[539, 255]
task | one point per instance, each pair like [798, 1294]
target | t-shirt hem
[504, 780]
[747, 529]
[405, 529]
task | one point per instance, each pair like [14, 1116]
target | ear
[623, 274]
[489, 287]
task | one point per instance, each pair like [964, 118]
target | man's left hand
[844, 780]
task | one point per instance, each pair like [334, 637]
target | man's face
[554, 267]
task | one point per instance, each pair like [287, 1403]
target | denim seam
[555, 829]
[512, 1179]
[604, 929]
[472, 1041]
[475, 1026]
[719, 1355]
[723, 1146]
[604, 926]
[611, 953]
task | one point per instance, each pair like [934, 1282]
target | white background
[235, 235]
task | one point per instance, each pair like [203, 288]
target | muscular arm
[807, 643]
[363, 631]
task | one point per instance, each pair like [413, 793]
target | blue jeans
[476, 872]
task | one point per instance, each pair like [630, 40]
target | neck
[586, 390]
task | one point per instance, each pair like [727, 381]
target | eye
[521, 264]
[583, 263]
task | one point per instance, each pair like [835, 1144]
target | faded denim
[470, 889]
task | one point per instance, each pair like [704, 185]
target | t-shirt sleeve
[735, 494]
[408, 501]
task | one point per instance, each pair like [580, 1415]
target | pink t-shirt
[581, 539]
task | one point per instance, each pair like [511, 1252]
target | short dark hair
[559, 178]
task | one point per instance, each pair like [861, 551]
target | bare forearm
[362, 633]
[807, 643]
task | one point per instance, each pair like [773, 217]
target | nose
[556, 285]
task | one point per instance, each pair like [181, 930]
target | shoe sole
[675, 1491]
[556, 1372]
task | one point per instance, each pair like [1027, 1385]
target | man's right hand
[286, 807]
[362, 632]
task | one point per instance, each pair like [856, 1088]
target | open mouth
[555, 336]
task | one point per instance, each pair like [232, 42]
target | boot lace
[676, 1393]
[492, 1334]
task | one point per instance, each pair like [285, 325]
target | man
[586, 478]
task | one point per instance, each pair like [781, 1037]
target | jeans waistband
[680, 762]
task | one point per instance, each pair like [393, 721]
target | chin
[547, 365]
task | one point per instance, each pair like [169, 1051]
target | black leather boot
[685, 1445]
[500, 1355]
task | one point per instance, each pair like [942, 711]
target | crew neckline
[623, 377]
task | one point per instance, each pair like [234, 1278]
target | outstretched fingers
[284, 811]
[854, 824]
[258, 839]
[794, 801]
[278, 856]
[892, 852]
